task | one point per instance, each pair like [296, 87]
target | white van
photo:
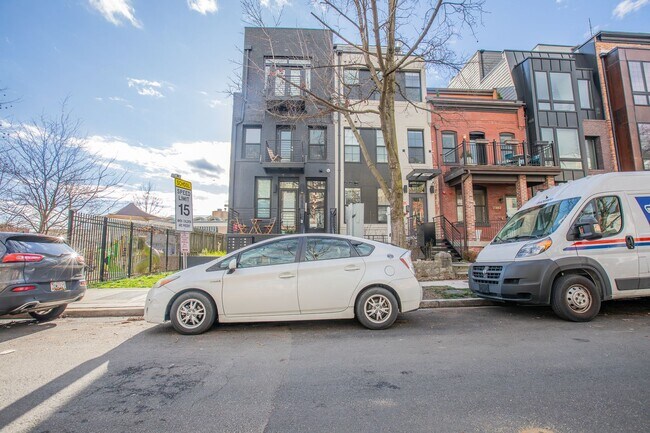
[572, 246]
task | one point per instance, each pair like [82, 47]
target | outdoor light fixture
[176, 175]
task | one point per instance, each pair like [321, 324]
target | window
[416, 146]
[252, 140]
[413, 87]
[568, 147]
[480, 206]
[593, 156]
[585, 96]
[449, 151]
[459, 204]
[644, 139]
[541, 85]
[351, 77]
[317, 140]
[327, 249]
[262, 197]
[274, 253]
[561, 87]
[363, 250]
[287, 77]
[640, 79]
[352, 150]
[508, 149]
[607, 211]
[417, 187]
[382, 206]
[382, 155]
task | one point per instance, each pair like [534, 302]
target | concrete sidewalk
[130, 302]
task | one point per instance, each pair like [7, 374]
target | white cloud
[274, 3]
[146, 87]
[204, 163]
[628, 6]
[203, 6]
[116, 11]
[214, 103]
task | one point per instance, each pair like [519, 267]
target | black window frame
[346, 146]
[645, 79]
[383, 207]
[257, 198]
[551, 103]
[644, 160]
[589, 97]
[413, 149]
[246, 144]
[322, 145]
[484, 208]
[594, 158]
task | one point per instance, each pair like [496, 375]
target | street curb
[105, 312]
[456, 303]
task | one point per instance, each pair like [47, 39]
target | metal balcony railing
[510, 153]
[283, 152]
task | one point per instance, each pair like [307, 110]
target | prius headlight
[534, 248]
[166, 280]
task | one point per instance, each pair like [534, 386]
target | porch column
[470, 214]
[549, 182]
[521, 188]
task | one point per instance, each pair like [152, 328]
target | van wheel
[575, 298]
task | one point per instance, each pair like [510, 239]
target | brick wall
[600, 129]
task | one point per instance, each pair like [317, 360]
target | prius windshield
[535, 222]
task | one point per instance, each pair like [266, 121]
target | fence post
[151, 250]
[166, 249]
[130, 263]
[102, 263]
[70, 225]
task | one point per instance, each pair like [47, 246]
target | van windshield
[536, 222]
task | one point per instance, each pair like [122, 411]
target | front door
[265, 282]
[478, 147]
[316, 205]
[418, 208]
[289, 209]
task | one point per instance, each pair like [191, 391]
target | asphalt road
[495, 369]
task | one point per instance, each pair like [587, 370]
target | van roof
[590, 185]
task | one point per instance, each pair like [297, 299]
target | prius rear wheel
[377, 308]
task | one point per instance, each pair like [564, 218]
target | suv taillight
[21, 258]
[23, 289]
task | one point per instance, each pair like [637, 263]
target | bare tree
[147, 200]
[48, 171]
[386, 36]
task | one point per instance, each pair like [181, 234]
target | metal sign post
[184, 214]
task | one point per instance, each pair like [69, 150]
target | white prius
[297, 277]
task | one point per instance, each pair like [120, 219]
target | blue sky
[148, 77]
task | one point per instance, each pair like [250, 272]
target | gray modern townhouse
[282, 156]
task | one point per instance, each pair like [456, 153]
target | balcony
[510, 158]
[285, 96]
[283, 156]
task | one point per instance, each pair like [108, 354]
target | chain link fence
[115, 249]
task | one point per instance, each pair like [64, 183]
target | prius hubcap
[578, 298]
[191, 313]
[378, 308]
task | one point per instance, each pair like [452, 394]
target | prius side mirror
[232, 265]
[588, 229]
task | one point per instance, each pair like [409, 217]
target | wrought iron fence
[115, 249]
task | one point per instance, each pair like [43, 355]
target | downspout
[463, 178]
[609, 110]
[339, 164]
[233, 156]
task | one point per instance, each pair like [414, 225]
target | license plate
[484, 288]
[57, 286]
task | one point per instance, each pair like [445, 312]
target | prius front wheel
[377, 308]
[192, 313]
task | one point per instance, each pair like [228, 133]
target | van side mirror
[588, 229]
[232, 265]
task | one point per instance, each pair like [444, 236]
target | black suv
[39, 275]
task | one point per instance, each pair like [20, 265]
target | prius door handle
[352, 268]
[287, 275]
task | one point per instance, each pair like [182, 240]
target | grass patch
[446, 292]
[212, 253]
[129, 283]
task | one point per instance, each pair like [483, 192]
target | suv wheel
[47, 315]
